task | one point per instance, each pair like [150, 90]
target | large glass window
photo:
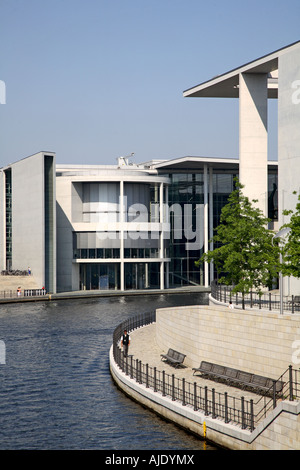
[273, 194]
[100, 276]
[186, 200]
[186, 207]
[142, 275]
[100, 202]
[142, 202]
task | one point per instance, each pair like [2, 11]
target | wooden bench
[173, 357]
[235, 376]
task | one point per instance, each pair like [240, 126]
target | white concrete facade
[253, 137]
[276, 75]
[289, 141]
[33, 218]
[110, 209]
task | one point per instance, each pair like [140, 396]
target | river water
[56, 391]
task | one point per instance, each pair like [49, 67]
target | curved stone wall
[251, 340]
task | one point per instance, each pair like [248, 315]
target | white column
[206, 280]
[253, 104]
[161, 234]
[211, 219]
[121, 234]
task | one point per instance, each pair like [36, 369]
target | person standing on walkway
[125, 341]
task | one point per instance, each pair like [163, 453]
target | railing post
[251, 416]
[274, 393]
[270, 302]
[147, 375]
[291, 382]
[183, 392]
[173, 387]
[154, 378]
[226, 408]
[141, 375]
[163, 384]
[137, 370]
[206, 401]
[195, 396]
[243, 413]
[213, 404]
[131, 368]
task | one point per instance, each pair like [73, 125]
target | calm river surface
[56, 391]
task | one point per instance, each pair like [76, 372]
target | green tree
[245, 256]
[291, 249]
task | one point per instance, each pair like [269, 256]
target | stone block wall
[256, 341]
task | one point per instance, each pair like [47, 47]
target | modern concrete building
[28, 217]
[139, 226]
[121, 227]
[111, 227]
[274, 76]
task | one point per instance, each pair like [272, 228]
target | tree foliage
[245, 255]
[291, 249]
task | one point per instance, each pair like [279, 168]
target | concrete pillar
[121, 234]
[206, 235]
[289, 142]
[161, 235]
[253, 103]
[211, 220]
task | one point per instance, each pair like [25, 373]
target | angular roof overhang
[190, 163]
[197, 163]
[227, 84]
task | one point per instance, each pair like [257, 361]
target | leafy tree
[245, 256]
[291, 249]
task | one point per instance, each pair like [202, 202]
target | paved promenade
[143, 346]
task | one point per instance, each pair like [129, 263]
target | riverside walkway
[143, 346]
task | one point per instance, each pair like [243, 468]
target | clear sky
[93, 80]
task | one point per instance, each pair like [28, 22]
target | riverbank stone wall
[255, 341]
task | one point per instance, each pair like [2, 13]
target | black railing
[239, 411]
[267, 300]
[212, 403]
[15, 272]
[290, 391]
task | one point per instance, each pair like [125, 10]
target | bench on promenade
[238, 377]
[173, 357]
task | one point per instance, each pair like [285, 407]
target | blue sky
[93, 80]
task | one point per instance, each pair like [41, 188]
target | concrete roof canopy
[227, 84]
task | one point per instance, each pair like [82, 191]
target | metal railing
[290, 391]
[211, 402]
[14, 293]
[237, 410]
[267, 300]
[34, 292]
[14, 272]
